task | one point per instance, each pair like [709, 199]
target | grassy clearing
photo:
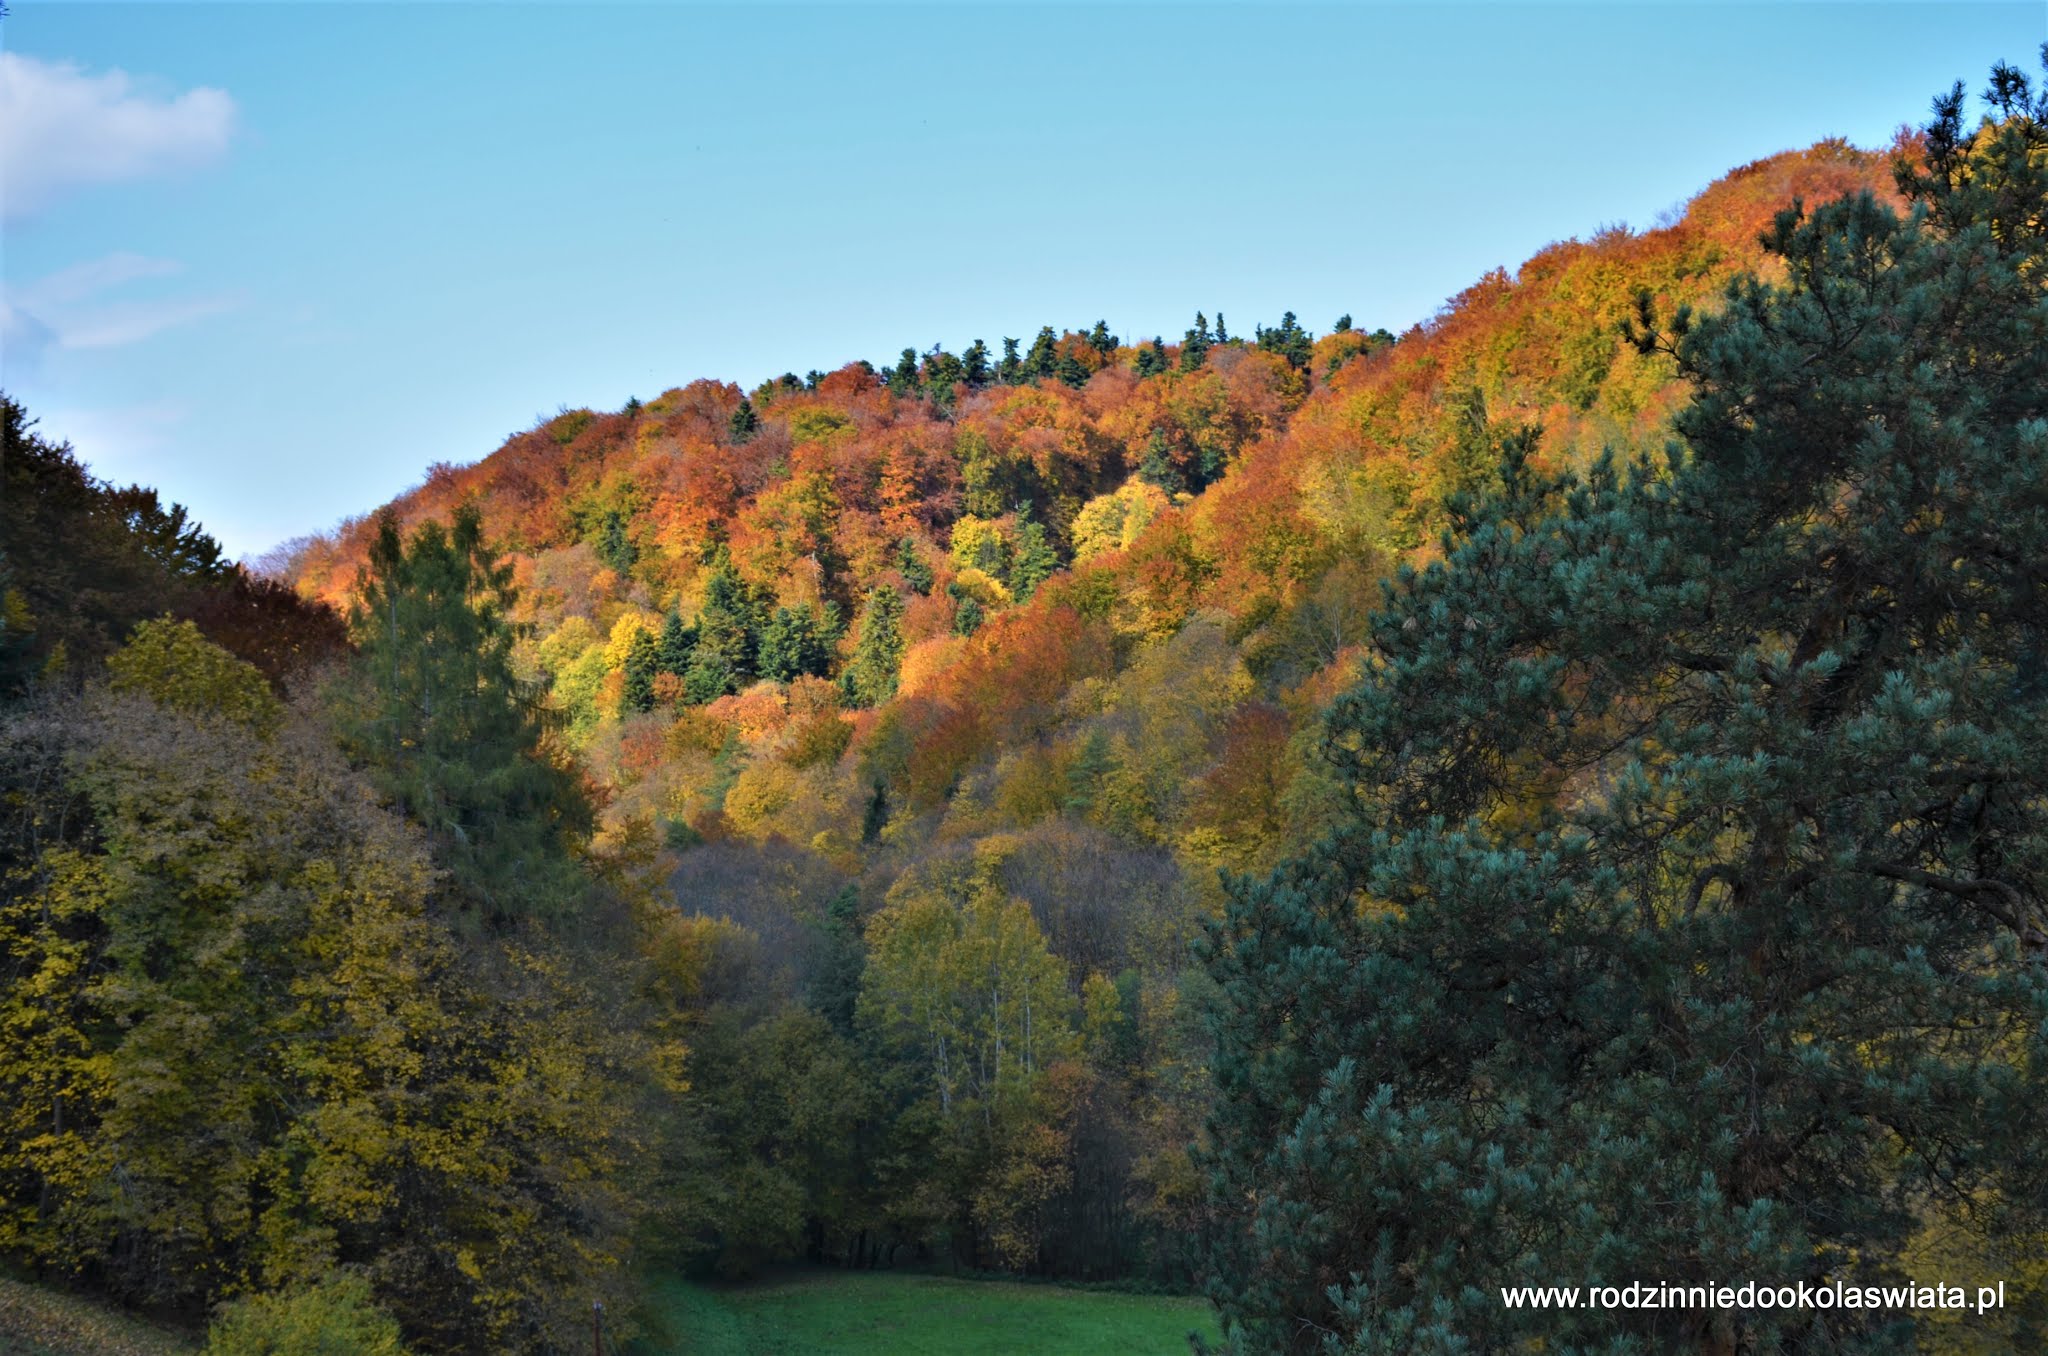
[39, 1322]
[833, 1313]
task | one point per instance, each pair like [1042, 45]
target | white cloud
[65, 309]
[61, 127]
[132, 322]
[81, 281]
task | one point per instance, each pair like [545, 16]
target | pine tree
[910, 564]
[870, 676]
[974, 364]
[447, 729]
[722, 661]
[1044, 359]
[1011, 370]
[1034, 560]
[1194, 345]
[903, 376]
[643, 661]
[713, 673]
[942, 373]
[744, 421]
[967, 614]
[1222, 330]
[1151, 360]
[1069, 370]
[792, 646]
[1343, 325]
[1689, 918]
[1102, 341]
[1289, 340]
[614, 549]
[1092, 764]
[1156, 467]
[672, 651]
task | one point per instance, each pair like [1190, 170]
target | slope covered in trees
[1096, 807]
[899, 576]
[943, 690]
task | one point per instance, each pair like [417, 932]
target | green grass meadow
[862, 1312]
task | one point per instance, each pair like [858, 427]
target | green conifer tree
[744, 421]
[643, 661]
[792, 646]
[1094, 762]
[1689, 919]
[728, 625]
[870, 676]
[1156, 467]
[910, 564]
[942, 375]
[1034, 560]
[615, 550]
[434, 708]
[974, 366]
[1011, 370]
[1289, 340]
[967, 614]
[672, 650]
[903, 376]
[1194, 345]
[1044, 359]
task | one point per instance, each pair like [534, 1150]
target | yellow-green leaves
[337, 1317]
[175, 665]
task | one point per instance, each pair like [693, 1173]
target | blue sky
[276, 259]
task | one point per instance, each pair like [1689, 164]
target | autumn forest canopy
[1337, 822]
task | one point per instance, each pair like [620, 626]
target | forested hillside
[1343, 821]
[941, 693]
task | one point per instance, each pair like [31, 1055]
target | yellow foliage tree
[1114, 521]
[174, 664]
[239, 1048]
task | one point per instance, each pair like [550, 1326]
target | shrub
[336, 1317]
